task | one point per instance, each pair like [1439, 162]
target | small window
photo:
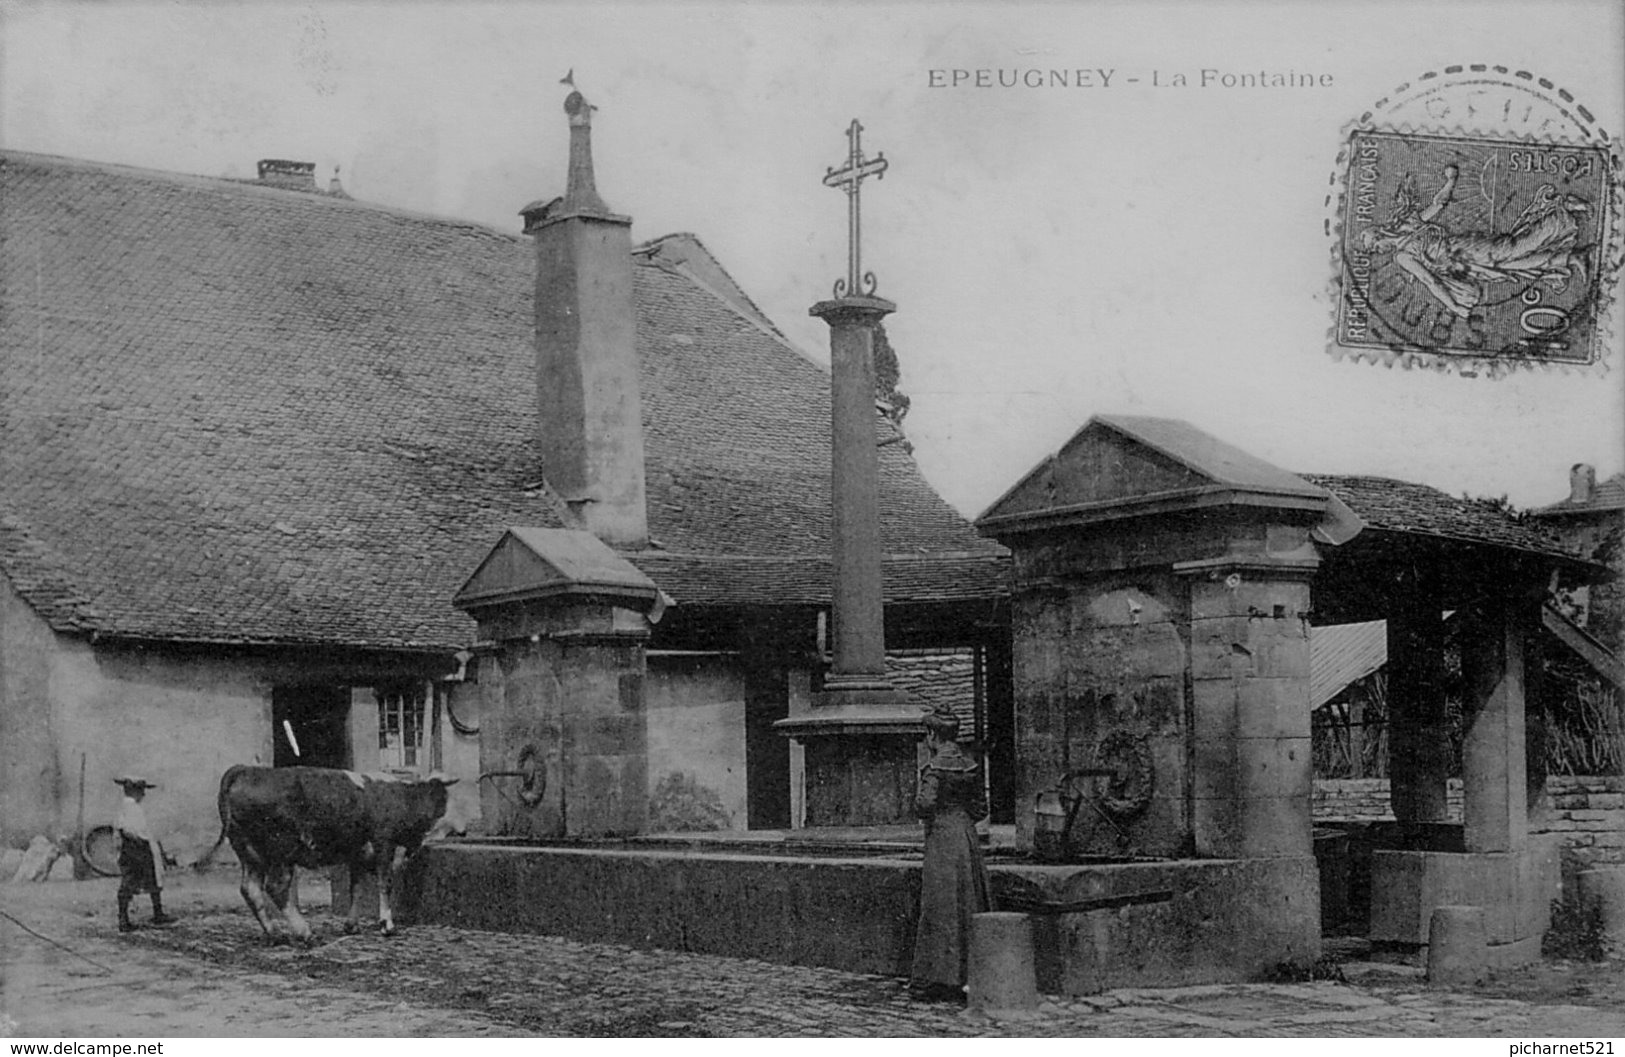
[400, 727]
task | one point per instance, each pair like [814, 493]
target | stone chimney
[1582, 482]
[293, 175]
[589, 411]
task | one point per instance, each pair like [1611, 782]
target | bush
[1576, 931]
[682, 805]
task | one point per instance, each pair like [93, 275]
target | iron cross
[847, 178]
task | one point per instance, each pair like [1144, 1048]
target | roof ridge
[770, 329]
[930, 556]
[239, 184]
[726, 274]
[1368, 477]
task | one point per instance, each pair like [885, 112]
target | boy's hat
[134, 781]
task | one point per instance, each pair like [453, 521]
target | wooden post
[1418, 739]
[79, 868]
[1357, 734]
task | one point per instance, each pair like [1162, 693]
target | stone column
[1252, 767]
[589, 410]
[861, 734]
[1418, 735]
[858, 618]
[1495, 798]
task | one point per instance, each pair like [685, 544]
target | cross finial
[848, 178]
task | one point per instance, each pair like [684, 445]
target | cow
[277, 818]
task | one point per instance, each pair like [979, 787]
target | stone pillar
[861, 733]
[568, 691]
[1493, 766]
[563, 729]
[1418, 735]
[858, 617]
[589, 409]
[1252, 767]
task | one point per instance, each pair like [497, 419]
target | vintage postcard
[828, 519]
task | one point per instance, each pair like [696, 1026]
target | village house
[1591, 521]
[256, 436]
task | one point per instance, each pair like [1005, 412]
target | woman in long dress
[953, 884]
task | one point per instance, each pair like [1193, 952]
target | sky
[1055, 252]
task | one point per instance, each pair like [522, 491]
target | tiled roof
[237, 413]
[696, 579]
[1417, 509]
[1606, 496]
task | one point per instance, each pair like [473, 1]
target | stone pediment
[1120, 466]
[533, 563]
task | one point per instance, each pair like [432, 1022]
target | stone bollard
[1605, 885]
[1002, 980]
[1458, 946]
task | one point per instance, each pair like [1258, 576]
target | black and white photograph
[731, 519]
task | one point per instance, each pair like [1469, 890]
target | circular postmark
[1476, 226]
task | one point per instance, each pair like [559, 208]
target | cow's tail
[224, 804]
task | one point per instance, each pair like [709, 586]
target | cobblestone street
[212, 975]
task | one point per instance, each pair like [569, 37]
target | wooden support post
[1418, 737]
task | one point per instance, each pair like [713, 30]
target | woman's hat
[129, 781]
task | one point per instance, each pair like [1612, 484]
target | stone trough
[852, 907]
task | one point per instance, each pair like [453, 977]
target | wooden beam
[1576, 638]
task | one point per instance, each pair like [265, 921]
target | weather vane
[847, 178]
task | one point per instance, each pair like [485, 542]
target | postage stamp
[1477, 227]
[1475, 247]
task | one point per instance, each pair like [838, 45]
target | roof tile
[234, 413]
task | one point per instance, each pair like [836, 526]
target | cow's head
[437, 785]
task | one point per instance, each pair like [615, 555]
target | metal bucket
[1051, 820]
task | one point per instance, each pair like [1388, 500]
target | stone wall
[1195, 921]
[1587, 814]
[1366, 800]
[31, 782]
[696, 717]
[177, 715]
[1099, 670]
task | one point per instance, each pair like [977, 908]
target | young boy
[140, 863]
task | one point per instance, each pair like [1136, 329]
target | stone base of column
[860, 780]
[861, 740]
